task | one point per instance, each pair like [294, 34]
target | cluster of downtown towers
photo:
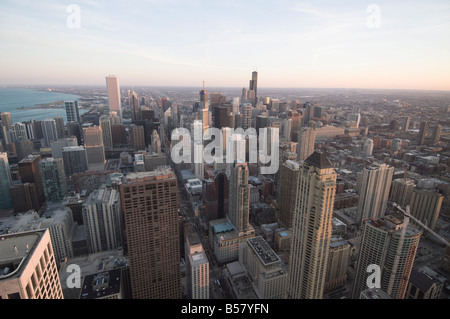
[149, 210]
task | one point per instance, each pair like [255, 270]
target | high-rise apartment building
[53, 179]
[102, 220]
[436, 134]
[112, 84]
[401, 191]
[426, 203]
[5, 182]
[28, 265]
[375, 182]
[338, 260]
[422, 132]
[72, 111]
[305, 143]
[60, 129]
[391, 244]
[50, 131]
[150, 208]
[311, 228]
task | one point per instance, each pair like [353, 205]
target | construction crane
[407, 214]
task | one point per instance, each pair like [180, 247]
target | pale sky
[320, 44]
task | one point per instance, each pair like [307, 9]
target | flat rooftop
[15, 249]
[263, 250]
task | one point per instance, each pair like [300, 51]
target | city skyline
[387, 45]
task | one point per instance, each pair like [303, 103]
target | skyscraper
[105, 125]
[197, 268]
[137, 137]
[287, 192]
[426, 202]
[391, 244]
[93, 142]
[50, 131]
[305, 143]
[53, 179]
[5, 182]
[134, 106]
[112, 84]
[29, 267]
[253, 88]
[102, 220]
[150, 207]
[422, 132]
[239, 197]
[376, 182]
[72, 111]
[75, 159]
[246, 116]
[436, 134]
[311, 228]
[30, 172]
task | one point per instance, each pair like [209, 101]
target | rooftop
[262, 249]
[319, 160]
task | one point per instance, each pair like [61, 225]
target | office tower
[74, 129]
[57, 146]
[150, 208]
[338, 260]
[436, 134]
[53, 179]
[5, 117]
[24, 147]
[105, 125]
[112, 84]
[235, 105]
[287, 192]
[93, 142]
[137, 137]
[102, 220]
[295, 125]
[75, 159]
[197, 268]
[72, 111]
[30, 172]
[426, 203]
[119, 135]
[24, 197]
[368, 147]
[264, 268]
[246, 115]
[30, 129]
[311, 228]
[244, 95]
[5, 182]
[422, 132]
[405, 123]
[29, 267]
[49, 131]
[253, 88]
[59, 126]
[221, 116]
[19, 129]
[115, 119]
[391, 244]
[401, 191]
[309, 112]
[305, 143]
[134, 106]
[239, 197]
[375, 184]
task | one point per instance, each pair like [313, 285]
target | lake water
[12, 99]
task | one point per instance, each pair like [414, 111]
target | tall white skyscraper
[375, 184]
[112, 84]
[311, 228]
[102, 220]
[49, 131]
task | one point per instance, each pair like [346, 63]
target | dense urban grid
[97, 207]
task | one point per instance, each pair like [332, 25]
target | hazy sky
[345, 44]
